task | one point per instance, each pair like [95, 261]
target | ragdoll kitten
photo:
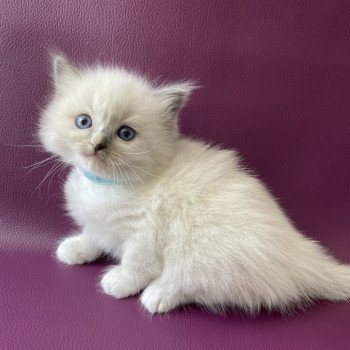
[186, 221]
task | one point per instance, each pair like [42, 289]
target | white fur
[188, 223]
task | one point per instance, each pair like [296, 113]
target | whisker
[135, 153]
[136, 167]
[22, 146]
[146, 151]
[127, 176]
[50, 162]
[41, 162]
[51, 171]
[57, 171]
[110, 170]
[119, 176]
[118, 171]
[132, 170]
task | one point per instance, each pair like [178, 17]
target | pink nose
[99, 147]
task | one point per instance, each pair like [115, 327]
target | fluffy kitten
[187, 223]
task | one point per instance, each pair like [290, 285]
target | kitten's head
[111, 122]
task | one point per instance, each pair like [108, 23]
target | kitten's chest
[107, 207]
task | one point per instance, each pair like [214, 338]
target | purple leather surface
[276, 86]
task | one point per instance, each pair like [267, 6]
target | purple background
[275, 79]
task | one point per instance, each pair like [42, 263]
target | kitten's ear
[63, 70]
[175, 96]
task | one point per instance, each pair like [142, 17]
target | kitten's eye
[126, 133]
[83, 121]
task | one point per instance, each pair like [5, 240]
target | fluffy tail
[335, 282]
[321, 275]
[310, 274]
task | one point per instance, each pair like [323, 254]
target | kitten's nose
[99, 140]
[99, 147]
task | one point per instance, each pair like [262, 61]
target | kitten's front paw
[160, 298]
[118, 283]
[77, 250]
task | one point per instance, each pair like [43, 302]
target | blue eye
[126, 133]
[83, 121]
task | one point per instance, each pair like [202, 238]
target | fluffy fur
[186, 221]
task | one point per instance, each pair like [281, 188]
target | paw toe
[114, 283]
[158, 299]
[69, 255]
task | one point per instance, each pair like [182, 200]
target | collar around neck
[100, 180]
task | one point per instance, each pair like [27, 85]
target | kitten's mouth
[95, 150]
[90, 159]
[94, 164]
[92, 153]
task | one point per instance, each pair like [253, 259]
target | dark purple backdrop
[275, 79]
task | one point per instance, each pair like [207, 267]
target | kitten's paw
[77, 250]
[118, 283]
[160, 298]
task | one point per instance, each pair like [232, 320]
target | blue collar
[100, 180]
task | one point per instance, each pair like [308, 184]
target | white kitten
[186, 221]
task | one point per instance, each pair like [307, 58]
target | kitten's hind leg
[139, 266]
[162, 295]
[172, 289]
[78, 249]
